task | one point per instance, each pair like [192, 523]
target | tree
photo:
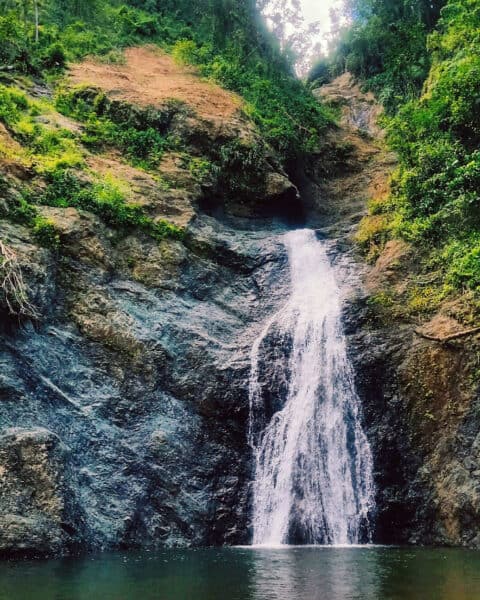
[298, 39]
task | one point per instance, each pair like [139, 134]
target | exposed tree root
[448, 338]
[15, 290]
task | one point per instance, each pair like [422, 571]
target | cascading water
[313, 465]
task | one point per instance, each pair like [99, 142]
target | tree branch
[448, 338]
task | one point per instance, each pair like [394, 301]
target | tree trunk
[36, 21]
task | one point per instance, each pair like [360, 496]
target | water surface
[295, 573]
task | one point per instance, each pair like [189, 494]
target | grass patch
[48, 148]
[107, 199]
[140, 134]
[45, 232]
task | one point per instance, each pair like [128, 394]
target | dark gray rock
[131, 391]
[38, 512]
[424, 441]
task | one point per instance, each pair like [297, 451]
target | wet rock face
[123, 411]
[386, 423]
[38, 512]
[421, 412]
[124, 403]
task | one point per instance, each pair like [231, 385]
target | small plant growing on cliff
[141, 134]
[46, 233]
[373, 232]
[12, 104]
[186, 52]
[242, 169]
[15, 291]
[107, 198]
[201, 169]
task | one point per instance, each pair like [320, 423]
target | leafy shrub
[54, 57]
[139, 133]
[204, 171]
[435, 202]
[385, 46]
[463, 258]
[186, 52]
[373, 232]
[45, 232]
[14, 49]
[20, 211]
[106, 199]
[143, 147]
[12, 104]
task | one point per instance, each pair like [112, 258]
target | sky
[319, 10]
[313, 11]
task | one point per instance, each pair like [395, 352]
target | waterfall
[313, 465]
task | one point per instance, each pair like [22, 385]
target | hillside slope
[415, 332]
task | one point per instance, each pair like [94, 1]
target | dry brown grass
[150, 77]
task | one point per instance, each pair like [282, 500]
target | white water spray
[313, 465]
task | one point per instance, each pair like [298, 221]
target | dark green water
[250, 574]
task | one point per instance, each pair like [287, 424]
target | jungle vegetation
[422, 59]
[226, 39]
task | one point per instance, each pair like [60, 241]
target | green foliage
[20, 211]
[436, 192]
[15, 48]
[437, 136]
[288, 116]
[463, 258]
[45, 232]
[68, 31]
[106, 199]
[186, 52]
[48, 147]
[224, 38]
[12, 105]
[373, 232]
[141, 134]
[144, 147]
[320, 73]
[204, 171]
[385, 45]
[54, 56]
[54, 149]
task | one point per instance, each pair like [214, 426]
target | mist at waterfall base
[313, 480]
[289, 573]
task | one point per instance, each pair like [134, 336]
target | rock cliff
[127, 318]
[123, 401]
